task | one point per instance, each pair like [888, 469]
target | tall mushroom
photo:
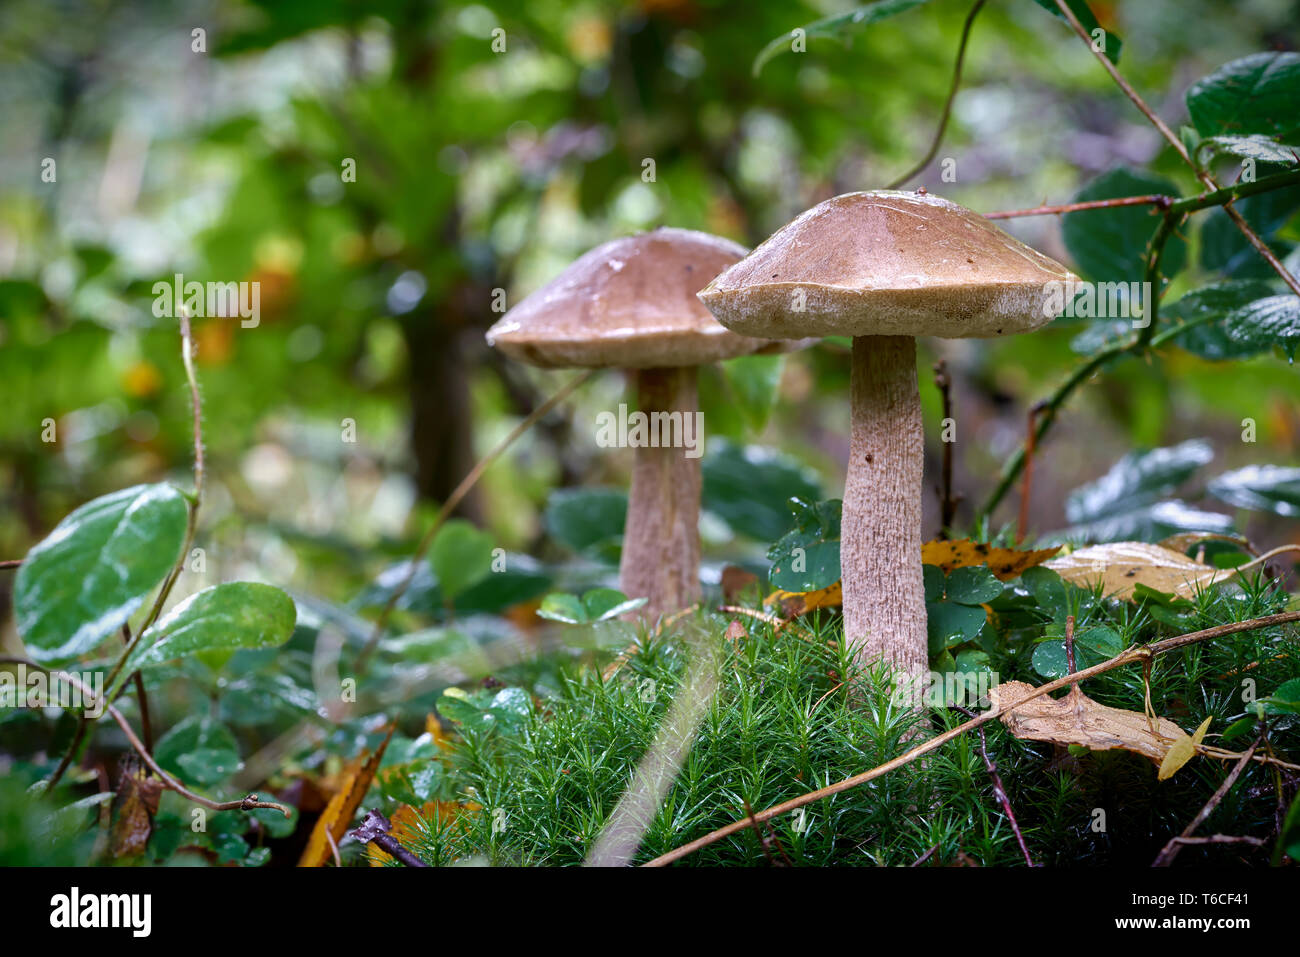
[631, 304]
[885, 267]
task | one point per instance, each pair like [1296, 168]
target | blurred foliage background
[479, 170]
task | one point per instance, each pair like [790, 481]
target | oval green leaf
[88, 576]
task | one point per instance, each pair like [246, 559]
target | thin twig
[192, 519]
[1166, 856]
[1154, 199]
[1241, 224]
[454, 499]
[1000, 792]
[245, 804]
[11, 563]
[1136, 653]
[924, 857]
[947, 106]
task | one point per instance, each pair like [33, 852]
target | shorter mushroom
[631, 304]
[885, 267]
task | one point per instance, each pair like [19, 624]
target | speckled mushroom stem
[661, 541]
[880, 534]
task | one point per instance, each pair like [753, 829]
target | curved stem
[947, 106]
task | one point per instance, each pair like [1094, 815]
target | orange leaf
[342, 808]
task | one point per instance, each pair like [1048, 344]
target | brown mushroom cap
[629, 303]
[887, 263]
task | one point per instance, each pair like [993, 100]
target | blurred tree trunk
[441, 417]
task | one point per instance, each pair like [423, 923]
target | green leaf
[461, 556]
[934, 582]
[1211, 339]
[1285, 700]
[87, 577]
[224, 617]
[807, 558]
[1050, 660]
[1225, 249]
[1138, 479]
[1083, 13]
[1110, 245]
[588, 519]
[199, 751]
[840, 25]
[602, 604]
[559, 606]
[1256, 94]
[949, 624]
[1267, 322]
[753, 381]
[1048, 590]
[1096, 644]
[973, 585]
[749, 487]
[1262, 488]
[1262, 149]
[1148, 523]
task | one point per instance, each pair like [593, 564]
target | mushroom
[885, 267]
[631, 304]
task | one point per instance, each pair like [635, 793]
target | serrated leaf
[1225, 249]
[1137, 479]
[1211, 339]
[1110, 245]
[1262, 149]
[1147, 523]
[88, 576]
[1256, 94]
[1264, 323]
[1263, 488]
[841, 25]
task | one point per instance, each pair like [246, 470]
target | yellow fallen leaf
[1077, 719]
[1181, 751]
[1121, 566]
[342, 808]
[1005, 563]
[794, 603]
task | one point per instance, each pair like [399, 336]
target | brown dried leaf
[1120, 566]
[342, 808]
[1077, 719]
[134, 807]
[1005, 563]
[734, 581]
